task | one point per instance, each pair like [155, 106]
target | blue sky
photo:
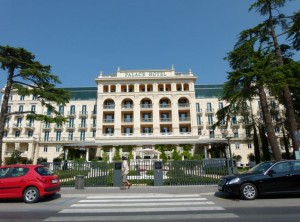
[79, 38]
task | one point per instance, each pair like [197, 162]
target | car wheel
[248, 191]
[31, 195]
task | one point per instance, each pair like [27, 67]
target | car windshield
[260, 168]
[44, 171]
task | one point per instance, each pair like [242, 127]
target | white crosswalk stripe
[129, 208]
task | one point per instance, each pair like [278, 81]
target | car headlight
[235, 180]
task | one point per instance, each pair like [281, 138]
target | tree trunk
[3, 113]
[290, 113]
[269, 125]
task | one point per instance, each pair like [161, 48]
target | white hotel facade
[141, 108]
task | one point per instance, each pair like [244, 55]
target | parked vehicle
[265, 178]
[30, 182]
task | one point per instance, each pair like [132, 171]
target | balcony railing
[146, 106]
[165, 119]
[108, 120]
[146, 120]
[164, 105]
[109, 106]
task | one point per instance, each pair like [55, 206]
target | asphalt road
[192, 207]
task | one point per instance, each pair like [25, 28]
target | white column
[87, 154]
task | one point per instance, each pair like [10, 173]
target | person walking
[125, 171]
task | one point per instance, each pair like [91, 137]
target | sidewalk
[200, 189]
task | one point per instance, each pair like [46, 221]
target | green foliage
[42, 160]
[176, 155]
[15, 157]
[117, 155]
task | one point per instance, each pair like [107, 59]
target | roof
[208, 91]
[201, 91]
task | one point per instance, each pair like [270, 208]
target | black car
[265, 178]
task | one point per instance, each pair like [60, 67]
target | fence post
[117, 174]
[158, 173]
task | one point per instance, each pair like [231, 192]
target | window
[164, 130]
[19, 122]
[22, 98]
[249, 145]
[34, 97]
[19, 171]
[211, 134]
[198, 108]
[5, 134]
[95, 109]
[83, 109]
[237, 146]
[45, 149]
[57, 148]
[21, 107]
[210, 120]
[82, 135]
[199, 122]
[17, 133]
[234, 120]
[146, 130]
[61, 110]
[236, 134]
[8, 109]
[30, 133]
[221, 105]
[208, 107]
[58, 135]
[83, 122]
[71, 122]
[70, 135]
[72, 110]
[46, 136]
[199, 131]
[281, 167]
[94, 133]
[33, 108]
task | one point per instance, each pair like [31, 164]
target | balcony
[108, 120]
[94, 113]
[82, 126]
[184, 119]
[71, 114]
[70, 127]
[127, 134]
[165, 120]
[209, 111]
[185, 133]
[83, 114]
[146, 120]
[46, 126]
[183, 106]
[93, 126]
[109, 106]
[29, 126]
[127, 106]
[17, 126]
[164, 106]
[58, 127]
[146, 106]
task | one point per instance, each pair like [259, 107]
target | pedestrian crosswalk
[142, 207]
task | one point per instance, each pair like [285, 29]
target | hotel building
[140, 108]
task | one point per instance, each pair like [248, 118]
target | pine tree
[26, 76]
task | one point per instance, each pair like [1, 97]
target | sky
[80, 38]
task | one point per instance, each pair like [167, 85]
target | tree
[266, 8]
[26, 76]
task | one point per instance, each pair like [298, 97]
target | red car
[30, 182]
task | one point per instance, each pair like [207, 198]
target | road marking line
[122, 210]
[144, 200]
[144, 217]
[144, 195]
[142, 204]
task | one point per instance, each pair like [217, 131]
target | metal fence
[141, 172]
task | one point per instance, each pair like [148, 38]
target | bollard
[79, 182]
